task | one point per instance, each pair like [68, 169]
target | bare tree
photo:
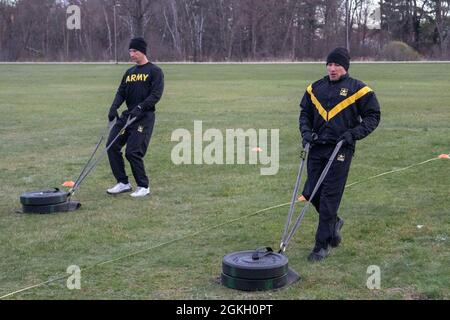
[442, 25]
[171, 18]
[137, 15]
[194, 11]
[108, 27]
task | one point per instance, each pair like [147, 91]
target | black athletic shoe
[318, 254]
[336, 238]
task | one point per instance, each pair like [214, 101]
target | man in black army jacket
[334, 108]
[141, 88]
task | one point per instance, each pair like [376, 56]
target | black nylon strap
[303, 157]
[261, 252]
[288, 238]
[93, 163]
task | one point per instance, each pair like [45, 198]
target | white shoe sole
[139, 196]
[115, 193]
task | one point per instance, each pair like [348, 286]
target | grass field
[52, 116]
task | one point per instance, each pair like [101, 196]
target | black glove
[309, 138]
[347, 137]
[112, 113]
[137, 113]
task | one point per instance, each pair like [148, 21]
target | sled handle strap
[317, 186]
[108, 130]
[93, 164]
[303, 157]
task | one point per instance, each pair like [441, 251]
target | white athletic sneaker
[119, 188]
[140, 192]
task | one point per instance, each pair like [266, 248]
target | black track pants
[136, 138]
[328, 197]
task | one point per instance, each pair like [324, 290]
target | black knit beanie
[340, 56]
[139, 44]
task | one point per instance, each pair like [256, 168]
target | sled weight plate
[244, 265]
[49, 208]
[42, 198]
[254, 284]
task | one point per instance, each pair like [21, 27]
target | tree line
[221, 30]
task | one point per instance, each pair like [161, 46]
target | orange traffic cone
[69, 184]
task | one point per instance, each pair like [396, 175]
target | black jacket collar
[345, 76]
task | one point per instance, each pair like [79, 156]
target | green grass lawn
[52, 116]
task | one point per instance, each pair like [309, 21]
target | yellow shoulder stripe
[347, 102]
[317, 104]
